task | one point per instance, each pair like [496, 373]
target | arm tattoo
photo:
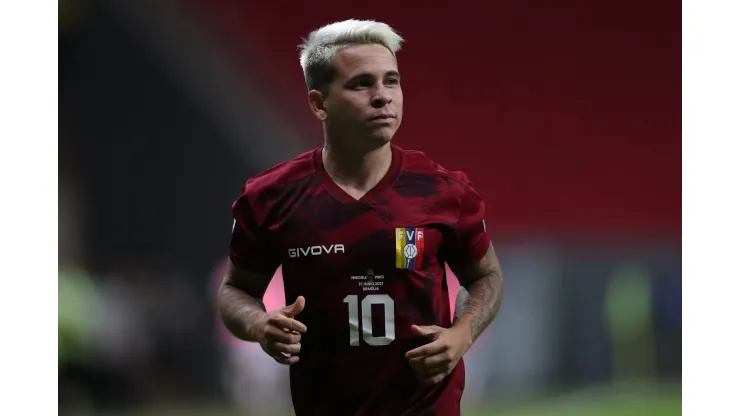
[484, 284]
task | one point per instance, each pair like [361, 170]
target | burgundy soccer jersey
[369, 269]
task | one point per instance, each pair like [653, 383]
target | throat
[357, 175]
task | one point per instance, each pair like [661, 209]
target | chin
[381, 140]
[383, 136]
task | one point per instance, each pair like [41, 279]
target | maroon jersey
[369, 269]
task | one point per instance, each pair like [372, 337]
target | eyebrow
[366, 75]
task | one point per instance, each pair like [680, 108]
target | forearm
[240, 312]
[482, 304]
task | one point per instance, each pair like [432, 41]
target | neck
[356, 168]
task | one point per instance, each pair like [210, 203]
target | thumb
[296, 308]
[425, 330]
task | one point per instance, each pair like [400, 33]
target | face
[364, 103]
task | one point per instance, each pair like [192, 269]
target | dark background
[566, 115]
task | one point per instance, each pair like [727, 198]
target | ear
[316, 102]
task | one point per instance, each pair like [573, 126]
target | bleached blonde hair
[317, 52]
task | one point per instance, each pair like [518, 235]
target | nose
[381, 98]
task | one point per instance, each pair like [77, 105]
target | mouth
[383, 117]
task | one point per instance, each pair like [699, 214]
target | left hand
[436, 360]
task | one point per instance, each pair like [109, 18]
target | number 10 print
[366, 326]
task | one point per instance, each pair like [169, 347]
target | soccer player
[362, 229]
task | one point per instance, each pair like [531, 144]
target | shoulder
[418, 164]
[279, 186]
[281, 175]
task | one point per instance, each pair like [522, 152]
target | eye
[361, 85]
[393, 81]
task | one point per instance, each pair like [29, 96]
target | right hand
[279, 334]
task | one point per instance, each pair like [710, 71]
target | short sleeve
[470, 236]
[250, 248]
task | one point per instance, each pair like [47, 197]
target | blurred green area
[608, 403]
[78, 313]
[626, 401]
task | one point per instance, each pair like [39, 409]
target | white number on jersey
[366, 326]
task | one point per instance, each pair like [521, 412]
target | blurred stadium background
[566, 115]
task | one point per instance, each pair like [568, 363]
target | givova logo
[315, 250]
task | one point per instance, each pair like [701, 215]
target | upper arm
[250, 282]
[252, 258]
[485, 267]
[469, 250]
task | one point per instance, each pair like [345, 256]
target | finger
[283, 322]
[274, 334]
[434, 361]
[423, 371]
[286, 360]
[279, 347]
[296, 308]
[433, 379]
[428, 330]
[427, 350]
[429, 365]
